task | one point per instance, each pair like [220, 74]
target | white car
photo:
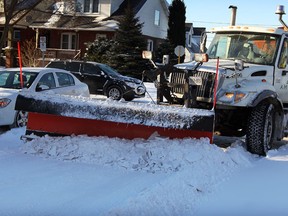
[49, 80]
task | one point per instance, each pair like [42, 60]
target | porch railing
[52, 53]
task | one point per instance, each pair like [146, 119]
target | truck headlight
[230, 97]
[4, 102]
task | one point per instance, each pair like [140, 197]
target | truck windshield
[250, 47]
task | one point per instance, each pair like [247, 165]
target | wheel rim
[268, 128]
[21, 119]
[114, 93]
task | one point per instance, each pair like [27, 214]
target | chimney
[233, 15]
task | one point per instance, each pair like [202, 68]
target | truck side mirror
[239, 65]
[201, 57]
[203, 42]
[147, 54]
[165, 59]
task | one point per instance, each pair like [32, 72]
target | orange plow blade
[57, 115]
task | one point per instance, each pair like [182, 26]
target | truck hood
[225, 66]
[210, 65]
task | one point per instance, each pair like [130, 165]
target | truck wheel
[260, 129]
[114, 93]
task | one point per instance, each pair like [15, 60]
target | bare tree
[30, 54]
[14, 10]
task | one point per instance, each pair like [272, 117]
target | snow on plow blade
[65, 115]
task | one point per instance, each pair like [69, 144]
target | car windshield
[12, 80]
[250, 47]
[108, 70]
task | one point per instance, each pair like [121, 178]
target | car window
[12, 79]
[28, 78]
[73, 66]
[4, 75]
[65, 79]
[57, 64]
[47, 80]
[108, 70]
[91, 69]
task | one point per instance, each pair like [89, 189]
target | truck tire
[260, 129]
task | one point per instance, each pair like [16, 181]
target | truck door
[281, 72]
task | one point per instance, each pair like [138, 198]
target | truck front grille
[203, 92]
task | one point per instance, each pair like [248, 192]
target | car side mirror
[41, 88]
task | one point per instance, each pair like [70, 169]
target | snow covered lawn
[83, 175]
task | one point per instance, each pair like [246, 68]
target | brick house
[67, 27]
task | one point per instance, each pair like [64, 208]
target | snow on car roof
[35, 69]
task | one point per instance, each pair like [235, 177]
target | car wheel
[114, 93]
[260, 129]
[21, 119]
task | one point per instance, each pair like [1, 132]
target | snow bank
[154, 155]
[193, 167]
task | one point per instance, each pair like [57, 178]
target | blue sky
[211, 13]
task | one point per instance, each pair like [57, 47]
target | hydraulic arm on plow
[177, 86]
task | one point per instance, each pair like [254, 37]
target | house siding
[147, 14]
[89, 28]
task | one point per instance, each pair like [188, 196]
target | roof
[136, 5]
[43, 17]
[23, 5]
[46, 20]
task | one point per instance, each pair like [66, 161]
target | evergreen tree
[176, 25]
[126, 54]
[99, 50]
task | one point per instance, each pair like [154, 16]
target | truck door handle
[284, 72]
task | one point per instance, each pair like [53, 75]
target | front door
[281, 72]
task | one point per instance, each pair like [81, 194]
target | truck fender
[265, 95]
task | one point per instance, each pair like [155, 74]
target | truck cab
[264, 54]
[245, 81]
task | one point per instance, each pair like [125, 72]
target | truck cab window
[283, 56]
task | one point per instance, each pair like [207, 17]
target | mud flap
[62, 115]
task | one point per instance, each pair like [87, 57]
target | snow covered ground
[83, 175]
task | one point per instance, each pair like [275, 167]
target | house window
[16, 35]
[150, 45]
[157, 18]
[101, 36]
[91, 6]
[189, 40]
[68, 41]
[78, 6]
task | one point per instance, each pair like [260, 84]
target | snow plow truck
[245, 81]
[241, 81]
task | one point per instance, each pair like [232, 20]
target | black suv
[102, 79]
